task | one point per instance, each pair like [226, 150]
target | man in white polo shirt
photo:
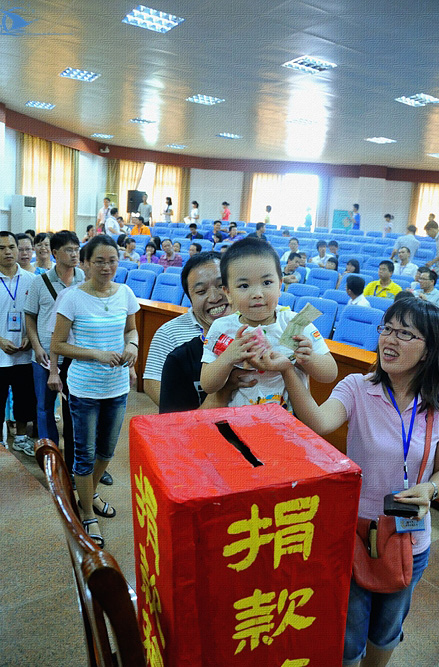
[38, 309]
[15, 349]
[405, 267]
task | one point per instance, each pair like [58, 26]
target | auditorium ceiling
[234, 50]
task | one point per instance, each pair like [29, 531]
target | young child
[252, 276]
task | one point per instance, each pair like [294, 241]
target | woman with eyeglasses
[402, 385]
[100, 316]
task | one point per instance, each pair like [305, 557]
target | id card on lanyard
[14, 317]
[406, 525]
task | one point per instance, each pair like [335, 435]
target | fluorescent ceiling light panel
[141, 121]
[418, 100]
[204, 99]
[40, 105]
[381, 140]
[98, 135]
[152, 19]
[79, 74]
[433, 155]
[309, 64]
[228, 135]
[177, 147]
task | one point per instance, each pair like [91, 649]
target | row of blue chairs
[323, 279]
[354, 325]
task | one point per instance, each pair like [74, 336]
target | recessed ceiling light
[152, 19]
[98, 135]
[79, 74]
[143, 121]
[433, 155]
[418, 100]
[204, 99]
[309, 64]
[228, 135]
[177, 147]
[381, 140]
[40, 105]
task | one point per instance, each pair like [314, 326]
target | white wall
[92, 175]
[376, 197]
[210, 187]
[8, 166]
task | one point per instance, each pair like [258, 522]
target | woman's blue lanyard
[8, 290]
[405, 439]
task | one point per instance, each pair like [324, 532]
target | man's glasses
[71, 251]
[402, 334]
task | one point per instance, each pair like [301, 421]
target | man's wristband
[435, 492]
[132, 343]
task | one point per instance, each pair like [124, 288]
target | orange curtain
[130, 174]
[168, 183]
[62, 170]
[35, 177]
[48, 172]
[246, 196]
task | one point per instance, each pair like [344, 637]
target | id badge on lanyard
[404, 525]
[14, 320]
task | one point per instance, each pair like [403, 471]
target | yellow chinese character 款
[251, 543]
[256, 619]
[297, 536]
[290, 618]
[147, 509]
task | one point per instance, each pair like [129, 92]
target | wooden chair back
[103, 593]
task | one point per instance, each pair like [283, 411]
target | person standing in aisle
[38, 309]
[145, 210]
[15, 348]
[101, 316]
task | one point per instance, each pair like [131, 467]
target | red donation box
[244, 526]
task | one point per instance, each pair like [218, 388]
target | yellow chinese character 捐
[147, 509]
[256, 619]
[297, 537]
[251, 543]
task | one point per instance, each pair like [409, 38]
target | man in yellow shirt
[140, 228]
[385, 286]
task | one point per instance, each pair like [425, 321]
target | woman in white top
[101, 315]
[168, 212]
[194, 214]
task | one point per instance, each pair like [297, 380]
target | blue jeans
[378, 617]
[45, 404]
[96, 429]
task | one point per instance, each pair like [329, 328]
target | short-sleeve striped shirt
[167, 337]
[94, 327]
